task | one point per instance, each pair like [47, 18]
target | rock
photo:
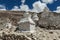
[49, 20]
[14, 37]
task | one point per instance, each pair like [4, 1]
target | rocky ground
[39, 34]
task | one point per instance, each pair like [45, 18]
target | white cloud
[58, 7]
[57, 10]
[2, 7]
[38, 6]
[24, 8]
[23, 1]
[16, 8]
[48, 1]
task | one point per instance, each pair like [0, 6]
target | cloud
[48, 1]
[38, 6]
[57, 10]
[23, 1]
[24, 8]
[55, 0]
[2, 7]
[15, 8]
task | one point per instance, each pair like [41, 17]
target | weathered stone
[49, 20]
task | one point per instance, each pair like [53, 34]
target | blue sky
[9, 4]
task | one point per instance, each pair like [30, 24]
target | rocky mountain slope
[46, 28]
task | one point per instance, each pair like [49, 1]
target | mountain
[47, 25]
